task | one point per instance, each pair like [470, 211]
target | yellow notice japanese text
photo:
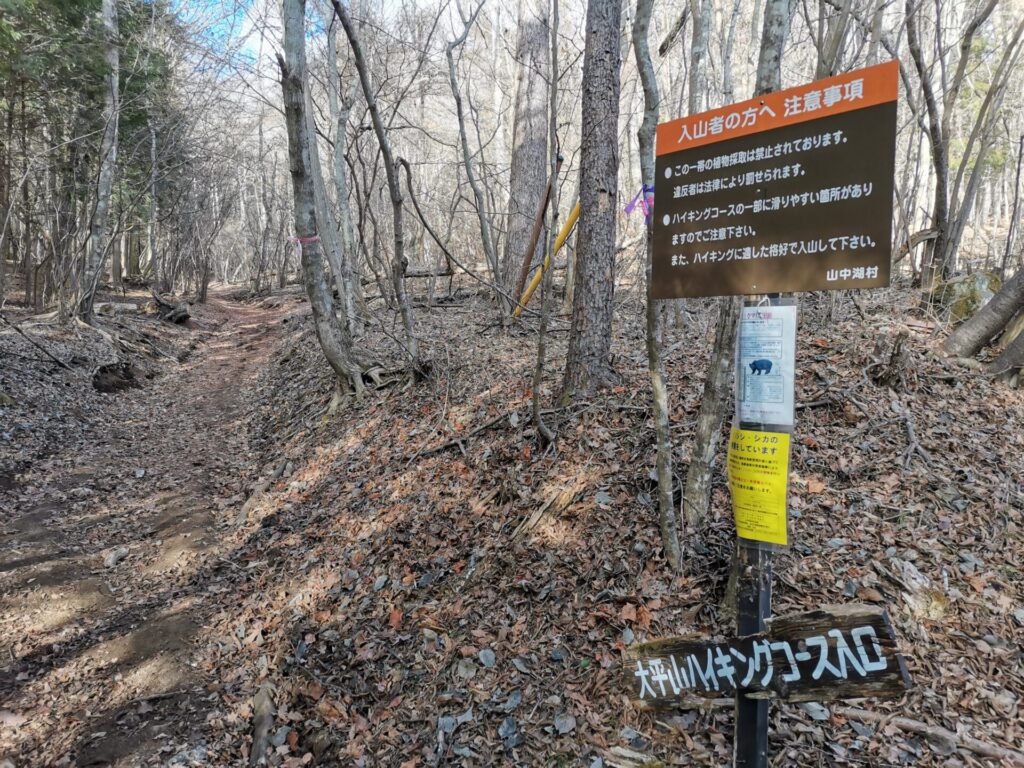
[758, 478]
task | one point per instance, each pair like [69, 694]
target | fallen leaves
[395, 618]
[390, 603]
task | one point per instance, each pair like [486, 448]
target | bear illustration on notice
[761, 366]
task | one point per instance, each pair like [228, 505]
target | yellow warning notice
[758, 478]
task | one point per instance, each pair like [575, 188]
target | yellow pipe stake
[559, 242]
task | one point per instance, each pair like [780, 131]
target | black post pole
[753, 606]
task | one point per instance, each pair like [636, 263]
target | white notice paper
[766, 365]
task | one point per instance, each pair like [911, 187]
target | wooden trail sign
[837, 652]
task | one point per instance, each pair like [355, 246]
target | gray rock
[465, 669]
[115, 556]
[509, 733]
[815, 710]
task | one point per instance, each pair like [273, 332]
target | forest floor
[211, 557]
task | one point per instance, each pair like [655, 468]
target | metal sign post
[765, 379]
[787, 192]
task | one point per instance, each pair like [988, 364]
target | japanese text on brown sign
[791, 191]
[832, 653]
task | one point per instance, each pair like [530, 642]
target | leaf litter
[375, 589]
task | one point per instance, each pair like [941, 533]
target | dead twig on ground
[913, 446]
[14, 326]
[555, 504]
[459, 440]
[262, 722]
[977, 746]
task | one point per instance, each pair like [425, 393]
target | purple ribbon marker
[644, 198]
[632, 203]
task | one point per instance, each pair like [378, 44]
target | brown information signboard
[791, 191]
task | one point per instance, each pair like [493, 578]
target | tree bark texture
[939, 259]
[701, 11]
[1011, 232]
[333, 336]
[667, 522]
[587, 362]
[545, 436]
[983, 325]
[327, 226]
[1010, 359]
[154, 211]
[940, 161]
[528, 174]
[108, 163]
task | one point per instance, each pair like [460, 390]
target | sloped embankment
[419, 585]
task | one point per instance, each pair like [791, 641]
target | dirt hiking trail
[102, 590]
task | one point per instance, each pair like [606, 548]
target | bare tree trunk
[326, 225]
[728, 91]
[486, 237]
[659, 389]
[154, 211]
[877, 18]
[588, 361]
[333, 335]
[701, 12]
[117, 255]
[1010, 359]
[988, 321]
[340, 108]
[937, 263]
[831, 48]
[940, 209]
[544, 434]
[399, 262]
[697, 493]
[528, 174]
[108, 163]
[983, 134]
[6, 205]
[1013, 211]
